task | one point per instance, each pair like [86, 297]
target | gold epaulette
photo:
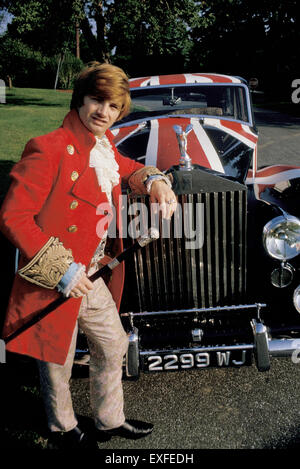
[49, 265]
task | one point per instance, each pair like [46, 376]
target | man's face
[98, 115]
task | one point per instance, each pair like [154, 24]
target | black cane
[142, 241]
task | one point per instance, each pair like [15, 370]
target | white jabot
[102, 158]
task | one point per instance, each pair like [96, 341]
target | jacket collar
[82, 138]
[86, 187]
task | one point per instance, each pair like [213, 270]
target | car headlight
[281, 237]
[296, 298]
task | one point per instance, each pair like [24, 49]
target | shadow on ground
[290, 441]
[15, 101]
[21, 409]
[5, 168]
[264, 117]
[23, 423]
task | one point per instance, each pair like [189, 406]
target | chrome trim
[185, 162]
[283, 347]
[132, 356]
[277, 274]
[279, 348]
[256, 306]
[197, 334]
[261, 349]
[173, 273]
[296, 295]
[212, 348]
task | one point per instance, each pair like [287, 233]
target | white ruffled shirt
[102, 158]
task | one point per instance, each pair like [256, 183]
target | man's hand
[82, 287]
[162, 194]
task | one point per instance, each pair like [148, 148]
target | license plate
[183, 360]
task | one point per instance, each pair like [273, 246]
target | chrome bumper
[262, 348]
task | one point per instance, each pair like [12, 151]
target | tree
[258, 38]
[156, 36]
[117, 30]
[18, 61]
[50, 27]
[47, 27]
[40, 38]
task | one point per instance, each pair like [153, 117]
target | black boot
[132, 429]
[74, 439]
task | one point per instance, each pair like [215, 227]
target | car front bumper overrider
[262, 348]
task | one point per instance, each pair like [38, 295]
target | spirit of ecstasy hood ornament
[185, 161]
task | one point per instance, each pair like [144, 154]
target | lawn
[27, 113]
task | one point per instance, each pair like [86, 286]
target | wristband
[156, 177]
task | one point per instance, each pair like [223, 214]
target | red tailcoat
[37, 206]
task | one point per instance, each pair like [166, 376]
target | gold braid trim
[49, 265]
[137, 180]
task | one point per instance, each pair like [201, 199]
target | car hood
[218, 145]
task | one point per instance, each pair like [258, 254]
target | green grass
[28, 113]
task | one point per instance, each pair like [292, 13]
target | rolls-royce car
[221, 285]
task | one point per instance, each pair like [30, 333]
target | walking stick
[142, 241]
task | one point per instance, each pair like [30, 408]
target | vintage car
[221, 285]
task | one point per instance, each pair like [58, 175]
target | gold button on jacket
[74, 175]
[70, 149]
[72, 228]
[73, 204]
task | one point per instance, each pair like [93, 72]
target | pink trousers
[99, 319]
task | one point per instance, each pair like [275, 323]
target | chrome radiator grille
[169, 274]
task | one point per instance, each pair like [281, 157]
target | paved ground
[214, 408]
[279, 138]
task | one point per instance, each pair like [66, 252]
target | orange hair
[104, 81]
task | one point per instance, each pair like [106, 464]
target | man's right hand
[82, 287]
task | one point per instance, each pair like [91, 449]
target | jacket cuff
[156, 177]
[138, 179]
[71, 278]
[49, 265]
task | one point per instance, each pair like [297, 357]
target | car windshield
[208, 100]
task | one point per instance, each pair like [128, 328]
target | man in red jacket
[67, 185]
